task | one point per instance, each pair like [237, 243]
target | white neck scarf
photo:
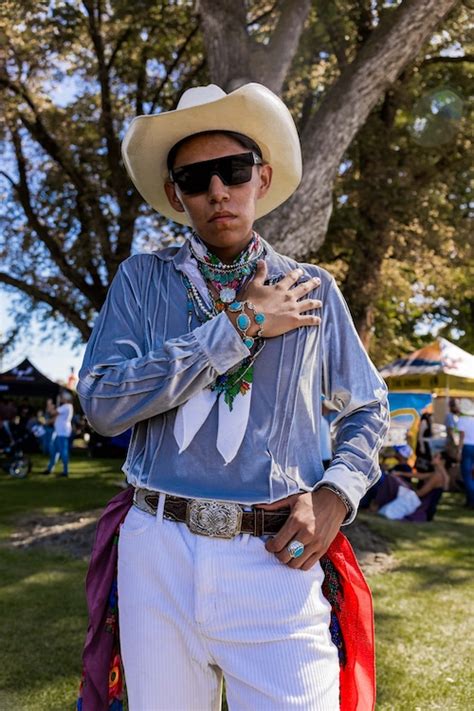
[192, 414]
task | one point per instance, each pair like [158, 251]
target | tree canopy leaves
[75, 72]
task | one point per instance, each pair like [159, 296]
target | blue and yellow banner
[405, 413]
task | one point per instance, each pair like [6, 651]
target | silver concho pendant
[227, 295]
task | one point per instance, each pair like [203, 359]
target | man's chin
[222, 233]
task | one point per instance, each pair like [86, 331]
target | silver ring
[295, 549]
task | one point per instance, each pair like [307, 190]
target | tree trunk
[299, 226]
[234, 58]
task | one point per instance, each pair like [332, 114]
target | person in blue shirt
[217, 353]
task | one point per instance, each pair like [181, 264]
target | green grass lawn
[423, 605]
[424, 609]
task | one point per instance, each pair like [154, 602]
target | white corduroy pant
[194, 609]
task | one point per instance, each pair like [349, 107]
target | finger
[306, 286]
[308, 305]
[307, 321]
[311, 561]
[310, 549]
[280, 504]
[290, 279]
[285, 535]
[314, 549]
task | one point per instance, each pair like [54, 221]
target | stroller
[13, 461]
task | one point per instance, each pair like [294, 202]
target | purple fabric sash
[102, 633]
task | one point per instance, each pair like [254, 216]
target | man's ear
[265, 175]
[173, 199]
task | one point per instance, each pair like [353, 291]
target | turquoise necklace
[226, 279]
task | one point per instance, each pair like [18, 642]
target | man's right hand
[284, 307]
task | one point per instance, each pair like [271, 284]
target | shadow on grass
[453, 522]
[43, 614]
[387, 626]
[90, 485]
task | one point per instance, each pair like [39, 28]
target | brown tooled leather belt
[209, 517]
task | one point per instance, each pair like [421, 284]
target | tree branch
[89, 210]
[257, 20]
[338, 43]
[115, 178]
[123, 38]
[39, 295]
[448, 60]
[24, 195]
[172, 67]
[274, 59]
[10, 179]
[234, 58]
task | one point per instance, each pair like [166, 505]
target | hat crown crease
[198, 95]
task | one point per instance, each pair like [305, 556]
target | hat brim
[252, 110]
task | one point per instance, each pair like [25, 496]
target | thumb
[261, 272]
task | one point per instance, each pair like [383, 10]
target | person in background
[19, 423]
[326, 445]
[38, 429]
[6, 438]
[466, 445]
[8, 410]
[72, 380]
[423, 450]
[62, 433]
[48, 417]
[428, 486]
[402, 453]
[451, 453]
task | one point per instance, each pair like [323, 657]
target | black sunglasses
[232, 170]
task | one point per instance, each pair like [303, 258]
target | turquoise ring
[295, 549]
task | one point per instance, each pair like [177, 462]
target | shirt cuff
[221, 343]
[351, 486]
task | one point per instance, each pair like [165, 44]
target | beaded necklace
[226, 280]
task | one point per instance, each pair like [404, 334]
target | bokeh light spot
[436, 117]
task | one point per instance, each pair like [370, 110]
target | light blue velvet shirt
[141, 363]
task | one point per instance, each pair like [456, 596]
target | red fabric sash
[356, 619]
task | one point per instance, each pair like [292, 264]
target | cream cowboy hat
[252, 110]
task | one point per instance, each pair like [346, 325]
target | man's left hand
[314, 520]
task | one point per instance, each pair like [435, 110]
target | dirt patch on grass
[68, 533]
[73, 534]
[372, 551]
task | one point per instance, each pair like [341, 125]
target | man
[325, 436]
[451, 452]
[60, 442]
[466, 447]
[6, 438]
[216, 354]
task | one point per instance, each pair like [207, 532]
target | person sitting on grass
[428, 488]
[402, 454]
